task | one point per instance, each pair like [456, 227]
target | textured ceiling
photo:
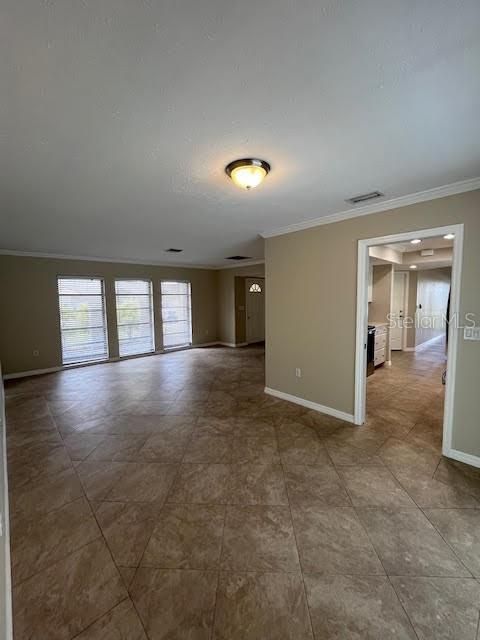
[118, 117]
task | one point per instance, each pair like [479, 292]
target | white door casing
[453, 331]
[255, 309]
[398, 311]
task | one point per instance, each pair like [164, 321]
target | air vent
[427, 252]
[173, 250]
[237, 258]
[364, 197]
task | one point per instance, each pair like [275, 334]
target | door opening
[255, 309]
[412, 328]
[398, 311]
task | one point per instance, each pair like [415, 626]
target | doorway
[255, 309]
[399, 307]
[453, 232]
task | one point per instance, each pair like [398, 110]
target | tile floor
[168, 498]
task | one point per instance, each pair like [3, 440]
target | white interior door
[398, 310]
[255, 299]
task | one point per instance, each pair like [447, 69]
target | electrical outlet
[206, 332]
[298, 373]
[471, 333]
[36, 353]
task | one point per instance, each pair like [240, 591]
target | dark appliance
[370, 350]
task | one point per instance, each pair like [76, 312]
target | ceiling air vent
[173, 250]
[237, 258]
[365, 196]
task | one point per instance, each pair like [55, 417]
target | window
[82, 319]
[255, 288]
[134, 316]
[176, 314]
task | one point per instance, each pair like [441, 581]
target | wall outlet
[36, 353]
[298, 373]
[471, 333]
[206, 332]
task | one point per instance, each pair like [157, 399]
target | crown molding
[61, 256]
[173, 265]
[385, 205]
[240, 264]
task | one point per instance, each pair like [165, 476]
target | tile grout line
[386, 573]
[422, 509]
[295, 536]
[108, 549]
[100, 617]
[101, 536]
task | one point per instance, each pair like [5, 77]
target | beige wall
[311, 304]
[227, 306]
[29, 306]
[380, 306]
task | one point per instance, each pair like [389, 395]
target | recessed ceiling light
[247, 173]
[449, 236]
[416, 241]
[413, 266]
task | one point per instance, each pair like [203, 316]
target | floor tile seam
[165, 502]
[304, 586]
[422, 509]
[220, 557]
[87, 459]
[58, 561]
[452, 549]
[111, 554]
[99, 618]
[403, 607]
[384, 569]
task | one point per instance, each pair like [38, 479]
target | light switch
[471, 333]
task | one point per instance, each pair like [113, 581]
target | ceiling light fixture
[416, 241]
[449, 236]
[413, 266]
[247, 173]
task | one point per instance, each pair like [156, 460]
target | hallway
[168, 497]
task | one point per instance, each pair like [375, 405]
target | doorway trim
[405, 306]
[362, 322]
[247, 278]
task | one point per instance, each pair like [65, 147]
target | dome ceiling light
[247, 173]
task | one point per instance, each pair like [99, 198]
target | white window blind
[134, 316]
[176, 314]
[82, 319]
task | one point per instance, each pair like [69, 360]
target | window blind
[176, 314]
[134, 316]
[82, 319]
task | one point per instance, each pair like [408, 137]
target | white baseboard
[6, 624]
[40, 372]
[233, 344]
[425, 344]
[347, 417]
[205, 344]
[33, 372]
[460, 456]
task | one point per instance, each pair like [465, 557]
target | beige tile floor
[168, 498]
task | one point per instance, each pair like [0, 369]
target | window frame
[188, 344]
[152, 315]
[104, 315]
